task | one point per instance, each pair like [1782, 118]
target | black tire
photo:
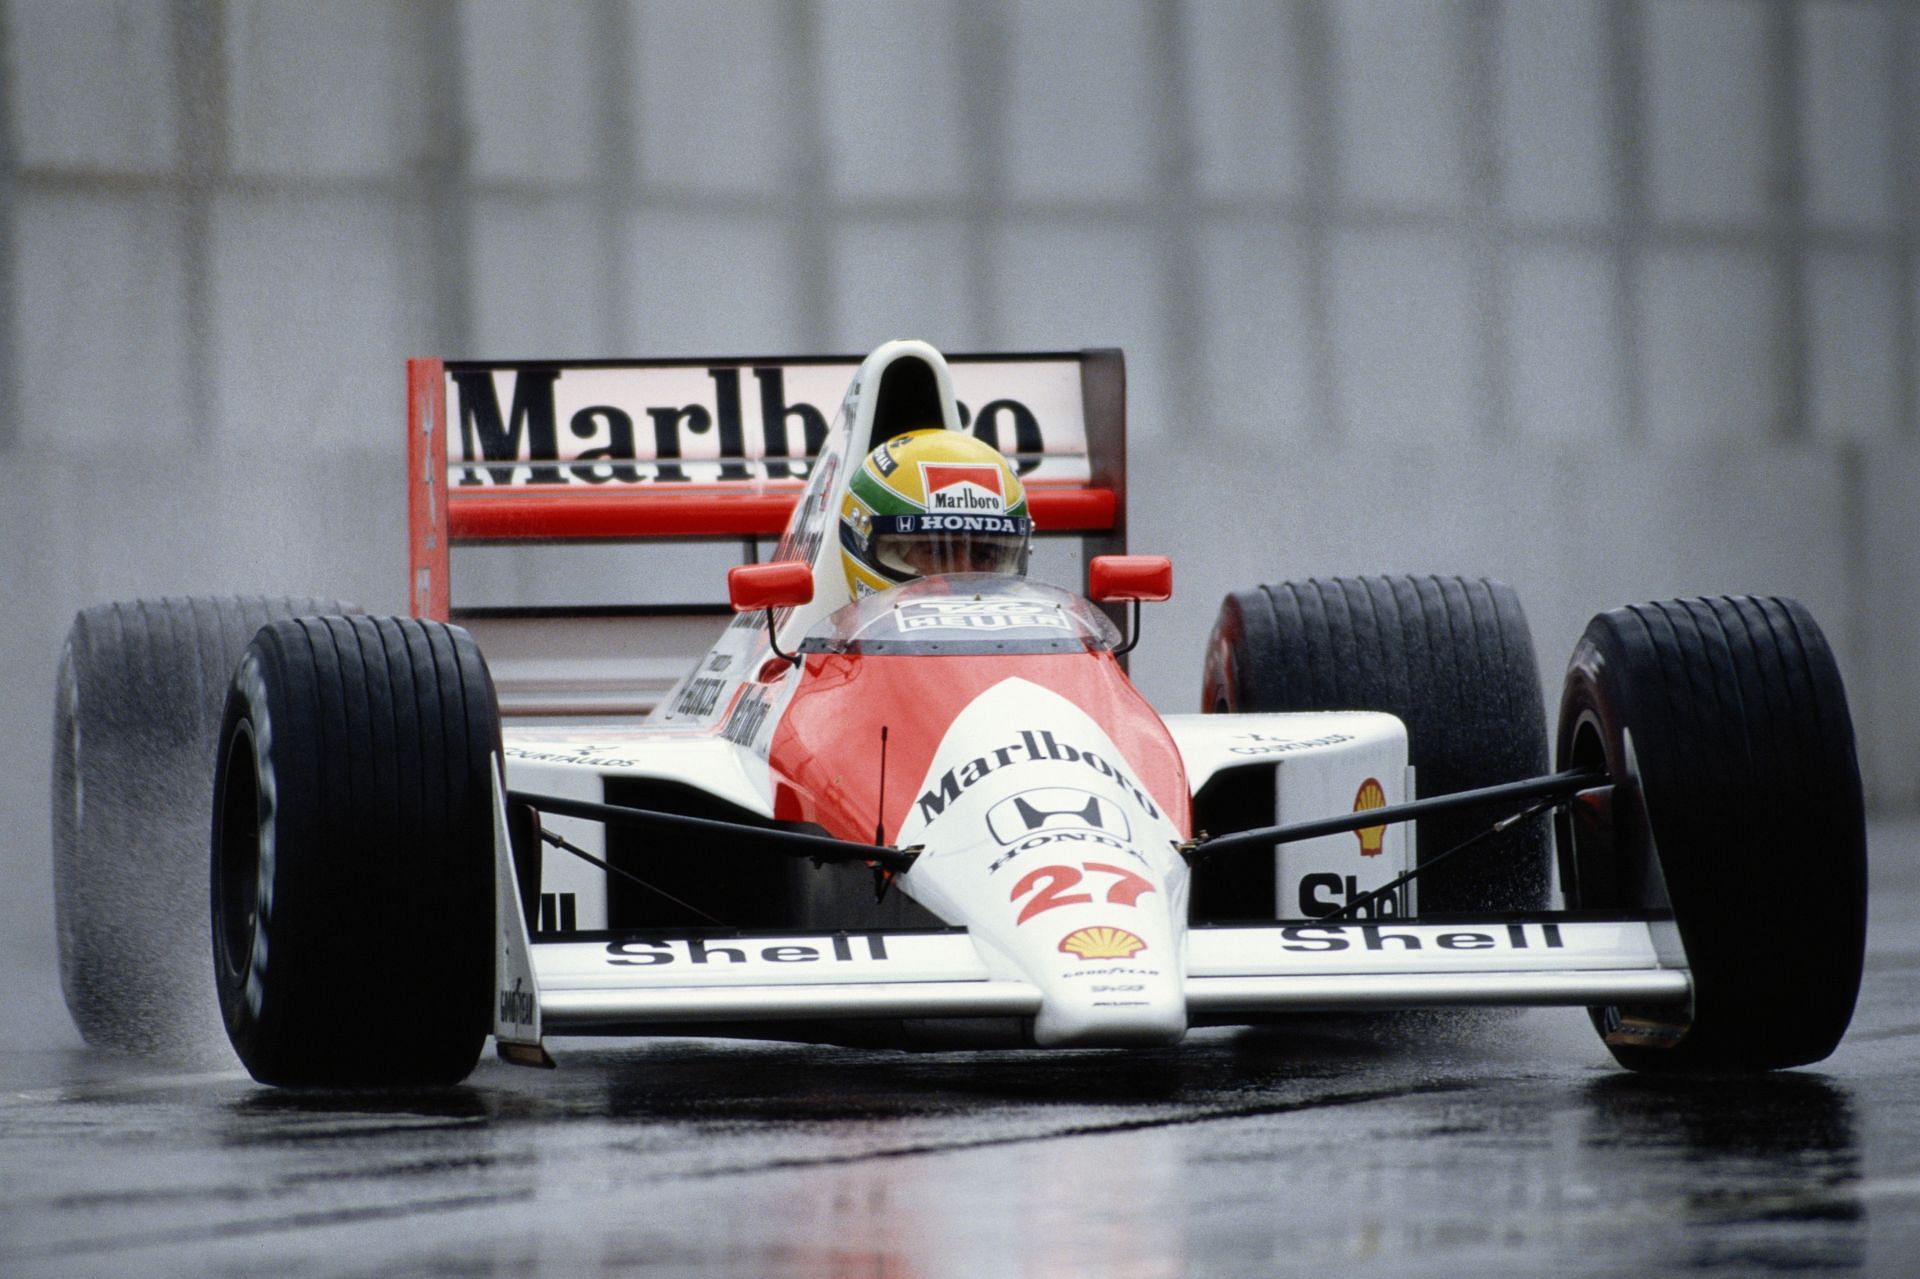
[1747, 817]
[1452, 657]
[352, 879]
[136, 725]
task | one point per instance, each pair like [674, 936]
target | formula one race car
[918, 803]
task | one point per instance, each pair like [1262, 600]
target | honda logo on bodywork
[1055, 808]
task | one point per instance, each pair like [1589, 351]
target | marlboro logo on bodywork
[663, 423]
[1027, 747]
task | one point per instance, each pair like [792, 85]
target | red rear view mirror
[1129, 577]
[779, 585]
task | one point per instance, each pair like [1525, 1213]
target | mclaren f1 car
[926, 809]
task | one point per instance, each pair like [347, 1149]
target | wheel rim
[237, 855]
[67, 770]
[70, 693]
[1594, 881]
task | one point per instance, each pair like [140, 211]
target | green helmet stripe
[880, 498]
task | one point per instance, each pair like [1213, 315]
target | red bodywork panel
[825, 754]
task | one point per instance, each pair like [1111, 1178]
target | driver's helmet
[932, 501]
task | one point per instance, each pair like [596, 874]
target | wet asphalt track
[1509, 1145]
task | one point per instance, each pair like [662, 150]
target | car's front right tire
[352, 859]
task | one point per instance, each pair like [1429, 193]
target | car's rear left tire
[1737, 804]
[352, 874]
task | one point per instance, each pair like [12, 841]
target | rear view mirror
[1132, 578]
[1129, 577]
[784, 584]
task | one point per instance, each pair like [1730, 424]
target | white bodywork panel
[573, 761]
[1325, 764]
[1063, 868]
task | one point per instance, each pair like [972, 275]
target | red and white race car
[938, 815]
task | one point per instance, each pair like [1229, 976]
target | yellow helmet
[928, 502]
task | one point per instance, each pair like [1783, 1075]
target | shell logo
[1372, 795]
[1102, 943]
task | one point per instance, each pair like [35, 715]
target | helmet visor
[927, 545]
[931, 554]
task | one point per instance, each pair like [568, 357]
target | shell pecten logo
[1371, 795]
[1102, 943]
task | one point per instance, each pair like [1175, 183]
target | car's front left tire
[1737, 806]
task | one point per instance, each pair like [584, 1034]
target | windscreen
[965, 613]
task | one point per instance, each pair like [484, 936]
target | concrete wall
[1614, 299]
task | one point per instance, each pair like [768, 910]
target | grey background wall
[1613, 299]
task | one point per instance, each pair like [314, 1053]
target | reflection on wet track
[1484, 1144]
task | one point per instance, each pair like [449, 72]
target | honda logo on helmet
[1051, 808]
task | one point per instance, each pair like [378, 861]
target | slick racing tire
[352, 876]
[136, 722]
[1452, 657]
[1736, 801]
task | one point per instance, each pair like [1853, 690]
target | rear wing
[702, 450]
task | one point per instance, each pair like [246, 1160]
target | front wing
[611, 983]
[614, 983]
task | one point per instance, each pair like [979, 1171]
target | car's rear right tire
[1737, 804]
[136, 723]
[352, 875]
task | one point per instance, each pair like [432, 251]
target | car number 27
[1055, 885]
